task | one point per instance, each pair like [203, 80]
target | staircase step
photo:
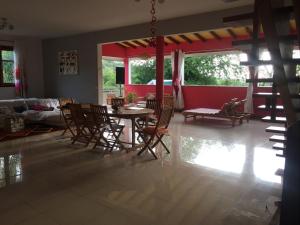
[274, 129]
[269, 62]
[278, 119]
[265, 94]
[264, 107]
[279, 146]
[274, 95]
[291, 38]
[278, 138]
[280, 154]
[279, 172]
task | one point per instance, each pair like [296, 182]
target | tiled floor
[215, 175]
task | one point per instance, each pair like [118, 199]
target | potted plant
[131, 97]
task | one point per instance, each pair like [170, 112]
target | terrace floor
[215, 175]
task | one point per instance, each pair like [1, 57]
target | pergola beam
[186, 38]
[232, 33]
[140, 43]
[200, 37]
[173, 40]
[120, 45]
[129, 44]
[215, 35]
[249, 31]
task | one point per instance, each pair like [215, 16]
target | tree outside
[143, 71]
[8, 67]
[109, 73]
[215, 69]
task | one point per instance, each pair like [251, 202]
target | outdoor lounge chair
[228, 111]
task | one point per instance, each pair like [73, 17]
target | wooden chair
[152, 120]
[82, 124]
[109, 98]
[66, 114]
[153, 104]
[119, 102]
[150, 133]
[103, 124]
[168, 101]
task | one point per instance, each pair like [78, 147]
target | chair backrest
[153, 104]
[165, 117]
[119, 102]
[77, 115]
[168, 101]
[100, 115]
[109, 97]
[63, 102]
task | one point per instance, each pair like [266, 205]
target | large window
[142, 71]
[109, 72]
[215, 69]
[6, 67]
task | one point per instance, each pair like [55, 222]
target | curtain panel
[178, 74]
[20, 74]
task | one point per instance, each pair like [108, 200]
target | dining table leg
[133, 132]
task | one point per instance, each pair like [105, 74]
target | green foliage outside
[109, 73]
[8, 66]
[214, 70]
[143, 71]
[199, 70]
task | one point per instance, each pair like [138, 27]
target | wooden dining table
[132, 113]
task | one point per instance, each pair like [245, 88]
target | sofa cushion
[12, 103]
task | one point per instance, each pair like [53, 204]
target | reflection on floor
[215, 175]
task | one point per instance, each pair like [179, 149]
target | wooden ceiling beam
[129, 44]
[172, 39]
[270, 62]
[148, 41]
[249, 31]
[140, 43]
[200, 37]
[232, 33]
[120, 45]
[186, 38]
[215, 35]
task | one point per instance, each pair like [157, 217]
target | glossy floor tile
[215, 175]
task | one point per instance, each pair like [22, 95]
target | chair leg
[152, 152]
[116, 138]
[147, 143]
[159, 139]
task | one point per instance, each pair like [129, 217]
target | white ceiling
[54, 18]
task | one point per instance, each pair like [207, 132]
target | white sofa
[52, 118]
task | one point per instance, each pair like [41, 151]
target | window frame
[221, 52]
[138, 58]
[5, 48]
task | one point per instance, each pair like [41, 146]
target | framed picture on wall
[68, 62]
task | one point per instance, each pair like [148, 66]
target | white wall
[33, 67]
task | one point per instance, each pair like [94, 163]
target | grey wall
[83, 87]
[33, 66]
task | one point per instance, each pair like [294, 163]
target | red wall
[142, 90]
[211, 96]
[113, 50]
[194, 96]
